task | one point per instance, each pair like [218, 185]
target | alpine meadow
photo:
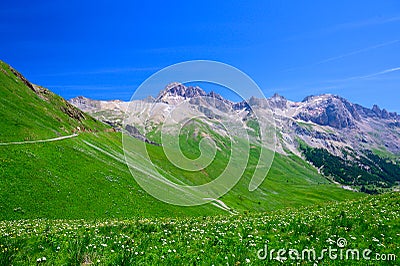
[199, 133]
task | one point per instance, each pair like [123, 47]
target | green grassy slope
[370, 223]
[290, 182]
[86, 176]
[72, 179]
[33, 113]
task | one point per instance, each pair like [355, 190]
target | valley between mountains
[69, 192]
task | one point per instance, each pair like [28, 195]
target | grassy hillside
[82, 177]
[370, 223]
[86, 177]
[30, 112]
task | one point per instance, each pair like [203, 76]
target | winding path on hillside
[38, 141]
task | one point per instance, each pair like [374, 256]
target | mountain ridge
[176, 89]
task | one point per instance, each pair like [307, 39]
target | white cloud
[376, 73]
[357, 52]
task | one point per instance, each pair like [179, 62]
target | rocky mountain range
[346, 131]
[328, 119]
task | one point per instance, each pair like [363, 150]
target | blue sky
[106, 49]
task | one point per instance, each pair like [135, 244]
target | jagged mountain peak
[79, 98]
[175, 92]
[335, 102]
[83, 102]
[382, 113]
[329, 110]
[278, 101]
[376, 112]
[323, 97]
[215, 95]
[277, 96]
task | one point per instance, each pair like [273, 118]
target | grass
[305, 125]
[384, 153]
[70, 179]
[368, 223]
